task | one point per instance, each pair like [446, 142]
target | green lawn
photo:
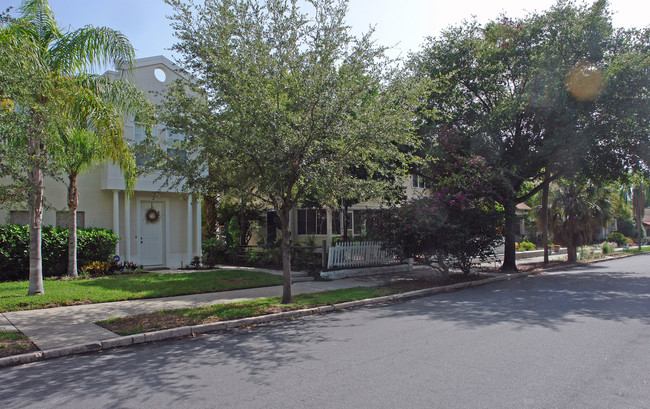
[635, 250]
[128, 287]
[221, 312]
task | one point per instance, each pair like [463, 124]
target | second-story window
[139, 136]
[177, 154]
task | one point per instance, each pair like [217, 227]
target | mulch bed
[10, 347]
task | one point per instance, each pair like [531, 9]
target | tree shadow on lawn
[545, 300]
[175, 369]
[188, 283]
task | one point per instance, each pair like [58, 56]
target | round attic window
[160, 75]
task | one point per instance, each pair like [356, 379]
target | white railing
[358, 254]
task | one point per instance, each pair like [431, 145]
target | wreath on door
[152, 215]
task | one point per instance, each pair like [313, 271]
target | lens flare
[585, 82]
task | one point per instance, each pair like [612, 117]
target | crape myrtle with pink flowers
[455, 227]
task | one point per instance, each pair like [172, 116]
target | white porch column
[127, 227]
[116, 219]
[197, 228]
[189, 229]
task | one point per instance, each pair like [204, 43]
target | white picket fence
[358, 254]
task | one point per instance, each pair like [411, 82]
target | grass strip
[644, 249]
[13, 343]
[13, 295]
[223, 312]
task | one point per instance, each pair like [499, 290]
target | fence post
[324, 255]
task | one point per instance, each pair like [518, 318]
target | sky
[401, 25]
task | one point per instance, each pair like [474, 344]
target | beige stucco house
[167, 236]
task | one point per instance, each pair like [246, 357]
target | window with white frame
[312, 221]
[418, 182]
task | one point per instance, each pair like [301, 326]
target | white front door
[152, 233]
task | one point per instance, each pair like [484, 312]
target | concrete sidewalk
[56, 327]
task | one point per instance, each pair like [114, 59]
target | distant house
[323, 224]
[521, 211]
[157, 226]
[646, 221]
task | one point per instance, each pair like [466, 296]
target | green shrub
[92, 245]
[214, 251]
[526, 246]
[617, 238]
[607, 248]
[14, 253]
[252, 256]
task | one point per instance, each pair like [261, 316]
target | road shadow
[256, 354]
[115, 376]
[547, 300]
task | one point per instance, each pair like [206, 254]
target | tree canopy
[540, 98]
[285, 103]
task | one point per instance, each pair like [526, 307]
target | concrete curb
[194, 330]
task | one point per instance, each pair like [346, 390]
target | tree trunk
[286, 255]
[571, 251]
[638, 204]
[545, 221]
[509, 251]
[36, 180]
[73, 201]
[210, 204]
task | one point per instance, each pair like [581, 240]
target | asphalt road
[577, 339]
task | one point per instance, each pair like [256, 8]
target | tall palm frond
[91, 46]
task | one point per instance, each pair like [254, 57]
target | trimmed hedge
[92, 245]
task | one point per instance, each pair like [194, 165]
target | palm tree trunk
[572, 251]
[36, 180]
[73, 201]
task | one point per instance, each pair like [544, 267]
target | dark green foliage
[626, 227]
[214, 251]
[14, 252]
[93, 245]
[618, 238]
[541, 98]
[450, 230]
[246, 216]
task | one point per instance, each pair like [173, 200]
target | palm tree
[91, 134]
[61, 55]
[578, 209]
